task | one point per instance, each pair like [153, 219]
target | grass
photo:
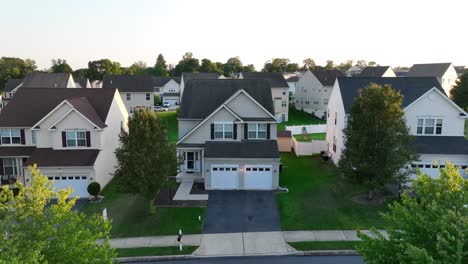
[131, 217]
[325, 245]
[172, 125]
[309, 137]
[154, 251]
[319, 198]
[297, 118]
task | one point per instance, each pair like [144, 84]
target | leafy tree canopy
[15, 68]
[187, 64]
[97, 69]
[459, 92]
[60, 66]
[137, 68]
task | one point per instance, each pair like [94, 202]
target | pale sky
[397, 32]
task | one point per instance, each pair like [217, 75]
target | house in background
[353, 71]
[279, 91]
[438, 131]
[168, 89]
[313, 91]
[229, 141]
[186, 76]
[292, 83]
[82, 83]
[136, 90]
[444, 72]
[71, 134]
[377, 71]
[10, 89]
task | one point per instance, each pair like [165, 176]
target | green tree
[233, 65]
[361, 63]
[97, 69]
[376, 139]
[80, 73]
[160, 68]
[15, 68]
[429, 226]
[248, 68]
[330, 65]
[43, 233]
[309, 63]
[137, 68]
[459, 92]
[277, 65]
[60, 66]
[157, 99]
[146, 158]
[209, 66]
[187, 64]
[344, 66]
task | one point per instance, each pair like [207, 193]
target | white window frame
[284, 103]
[76, 139]
[7, 133]
[148, 96]
[129, 96]
[33, 137]
[422, 129]
[224, 131]
[255, 128]
[12, 165]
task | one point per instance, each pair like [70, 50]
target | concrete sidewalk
[183, 193]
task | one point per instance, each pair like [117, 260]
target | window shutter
[1, 167]
[246, 134]
[88, 139]
[268, 131]
[212, 131]
[23, 139]
[234, 128]
[64, 139]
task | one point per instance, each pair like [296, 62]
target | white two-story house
[445, 73]
[436, 123]
[279, 91]
[71, 134]
[136, 90]
[229, 141]
[168, 89]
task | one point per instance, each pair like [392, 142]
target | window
[336, 117]
[223, 130]
[129, 96]
[33, 137]
[334, 144]
[9, 167]
[11, 136]
[325, 101]
[156, 89]
[148, 96]
[257, 131]
[76, 138]
[429, 126]
[419, 129]
[439, 127]
[284, 103]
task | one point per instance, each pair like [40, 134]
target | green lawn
[317, 136]
[172, 126]
[319, 198]
[130, 215]
[325, 245]
[297, 118]
[154, 251]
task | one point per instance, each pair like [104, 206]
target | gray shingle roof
[202, 97]
[25, 110]
[11, 84]
[428, 70]
[46, 80]
[128, 83]
[293, 79]
[440, 145]
[199, 76]
[16, 151]
[84, 106]
[83, 82]
[377, 71]
[327, 77]
[47, 157]
[160, 81]
[285, 133]
[242, 149]
[276, 79]
[410, 87]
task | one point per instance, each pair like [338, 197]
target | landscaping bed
[198, 188]
[154, 251]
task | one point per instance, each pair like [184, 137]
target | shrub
[94, 189]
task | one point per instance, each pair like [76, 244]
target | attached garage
[171, 98]
[258, 177]
[78, 184]
[225, 177]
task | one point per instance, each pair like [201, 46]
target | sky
[396, 33]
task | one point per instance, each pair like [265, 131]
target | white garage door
[79, 184]
[171, 101]
[258, 177]
[225, 177]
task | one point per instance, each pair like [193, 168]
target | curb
[327, 253]
[153, 258]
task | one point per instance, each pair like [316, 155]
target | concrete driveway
[241, 211]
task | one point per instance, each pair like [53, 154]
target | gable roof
[46, 80]
[194, 99]
[84, 106]
[276, 79]
[293, 79]
[327, 77]
[128, 83]
[25, 109]
[83, 82]
[160, 81]
[428, 70]
[410, 87]
[376, 71]
[199, 76]
[11, 84]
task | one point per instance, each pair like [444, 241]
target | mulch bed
[198, 188]
[165, 196]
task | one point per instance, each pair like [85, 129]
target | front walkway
[183, 193]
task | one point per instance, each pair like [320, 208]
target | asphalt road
[269, 260]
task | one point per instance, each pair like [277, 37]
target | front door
[192, 161]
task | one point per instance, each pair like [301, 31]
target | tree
[60, 66]
[277, 65]
[248, 68]
[209, 66]
[361, 63]
[345, 66]
[160, 68]
[137, 68]
[43, 233]
[97, 69]
[15, 68]
[429, 226]
[146, 158]
[187, 64]
[157, 100]
[330, 65]
[459, 92]
[80, 73]
[309, 63]
[376, 139]
[233, 65]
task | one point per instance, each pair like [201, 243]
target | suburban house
[71, 134]
[438, 131]
[136, 90]
[444, 72]
[377, 71]
[313, 91]
[9, 90]
[279, 91]
[186, 76]
[292, 84]
[82, 83]
[168, 88]
[354, 71]
[229, 141]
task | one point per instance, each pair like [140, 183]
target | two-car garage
[249, 177]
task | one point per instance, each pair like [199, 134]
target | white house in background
[377, 71]
[292, 84]
[313, 91]
[354, 71]
[136, 90]
[436, 123]
[229, 141]
[71, 134]
[279, 91]
[444, 72]
[187, 76]
[168, 89]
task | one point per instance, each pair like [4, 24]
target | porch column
[202, 163]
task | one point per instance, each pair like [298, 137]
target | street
[268, 260]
